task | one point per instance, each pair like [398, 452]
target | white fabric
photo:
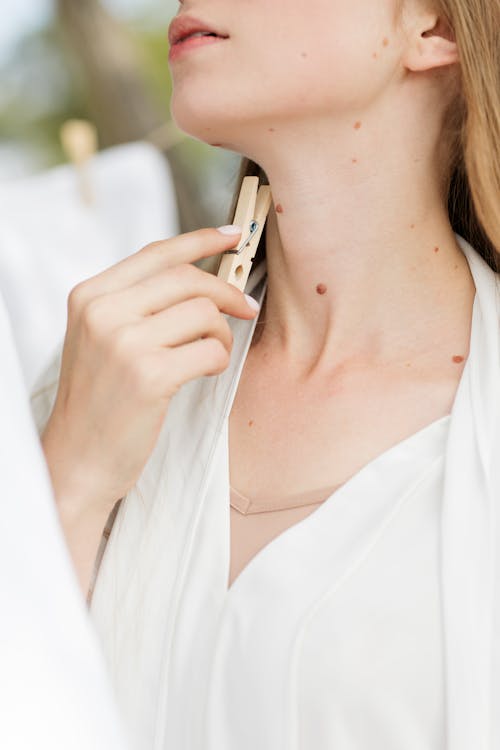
[50, 240]
[54, 690]
[188, 658]
[332, 636]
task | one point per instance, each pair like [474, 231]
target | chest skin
[289, 435]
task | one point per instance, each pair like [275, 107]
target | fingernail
[252, 302]
[230, 229]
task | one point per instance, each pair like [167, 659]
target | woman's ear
[431, 44]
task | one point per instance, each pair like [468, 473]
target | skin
[376, 126]
[345, 117]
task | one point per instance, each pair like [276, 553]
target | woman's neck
[362, 261]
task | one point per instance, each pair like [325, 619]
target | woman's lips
[191, 43]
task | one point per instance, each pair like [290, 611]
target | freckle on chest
[321, 289]
[458, 359]
[279, 208]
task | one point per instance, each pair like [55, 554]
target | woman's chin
[194, 121]
[202, 127]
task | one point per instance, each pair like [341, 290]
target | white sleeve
[54, 689]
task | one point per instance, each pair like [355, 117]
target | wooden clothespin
[79, 141]
[251, 213]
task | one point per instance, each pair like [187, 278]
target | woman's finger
[188, 321]
[156, 293]
[155, 258]
[180, 364]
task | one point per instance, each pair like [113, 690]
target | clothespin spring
[254, 225]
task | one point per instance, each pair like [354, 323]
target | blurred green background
[105, 61]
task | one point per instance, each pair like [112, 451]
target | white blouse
[374, 622]
[331, 636]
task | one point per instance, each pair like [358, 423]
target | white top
[54, 690]
[374, 622]
[331, 636]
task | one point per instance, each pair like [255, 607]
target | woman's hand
[135, 334]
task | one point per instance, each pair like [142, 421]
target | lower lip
[196, 41]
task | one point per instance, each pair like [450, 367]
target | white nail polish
[230, 229]
[252, 302]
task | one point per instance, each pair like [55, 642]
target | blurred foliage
[46, 81]
[42, 86]
[154, 51]
[38, 94]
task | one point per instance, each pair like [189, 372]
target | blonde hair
[472, 127]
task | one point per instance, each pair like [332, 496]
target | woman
[348, 598]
